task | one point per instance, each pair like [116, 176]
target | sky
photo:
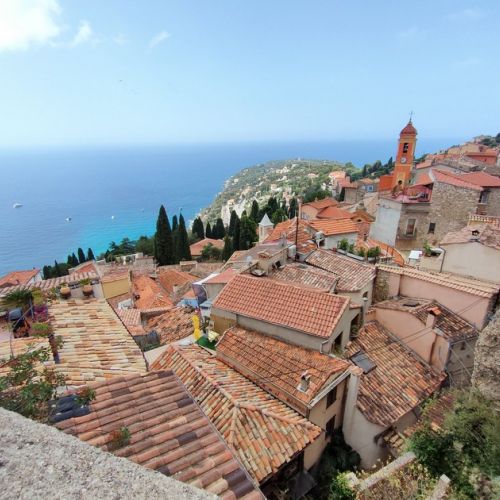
[123, 72]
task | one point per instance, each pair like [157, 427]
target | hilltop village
[337, 339]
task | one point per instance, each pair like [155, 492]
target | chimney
[305, 379]
[432, 315]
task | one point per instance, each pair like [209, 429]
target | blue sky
[125, 72]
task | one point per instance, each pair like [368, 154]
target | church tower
[405, 156]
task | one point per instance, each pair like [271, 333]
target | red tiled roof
[398, 383]
[174, 325]
[353, 275]
[277, 366]
[16, 347]
[409, 129]
[131, 318]
[346, 183]
[171, 278]
[148, 294]
[289, 229]
[86, 267]
[223, 277]
[196, 248]
[18, 277]
[332, 227]
[168, 433]
[264, 433]
[481, 179]
[321, 204]
[333, 213]
[489, 235]
[295, 307]
[454, 180]
[302, 274]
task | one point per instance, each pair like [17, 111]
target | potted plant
[343, 245]
[373, 254]
[427, 249]
[65, 291]
[86, 287]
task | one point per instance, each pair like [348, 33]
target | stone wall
[493, 205]
[381, 286]
[486, 375]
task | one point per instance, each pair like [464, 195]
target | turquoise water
[91, 185]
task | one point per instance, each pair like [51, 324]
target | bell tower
[405, 156]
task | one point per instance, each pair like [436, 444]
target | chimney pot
[305, 379]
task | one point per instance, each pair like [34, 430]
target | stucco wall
[333, 241]
[213, 289]
[472, 259]
[114, 288]
[385, 227]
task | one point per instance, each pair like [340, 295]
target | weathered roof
[481, 179]
[449, 323]
[398, 383]
[196, 248]
[222, 278]
[321, 204]
[454, 180]
[468, 285]
[264, 433]
[331, 227]
[489, 235]
[303, 274]
[16, 347]
[168, 432]
[409, 129]
[96, 345]
[277, 366]
[173, 325]
[132, 320]
[294, 232]
[149, 294]
[18, 277]
[353, 275]
[299, 308]
[171, 278]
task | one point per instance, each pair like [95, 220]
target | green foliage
[81, 256]
[41, 329]
[175, 223]
[293, 208]
[361, 252]
[198, 228]
[29, 386]
[85, 396]
[210, 252]
[145, 245]
[208, 231]
[232, 222]
[350, 248]
[164, 246]
[18, 298]
[90, 254]
[279, 216]
[343, 244]
[227, 251]
[182, 251]
[119, 438]
[340, 489]
[315, 193]
[247, 233]
[218, 231]
[236, 234]
[373, 252]
[254, 211]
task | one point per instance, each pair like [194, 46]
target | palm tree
[18, 298]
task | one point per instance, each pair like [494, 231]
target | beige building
[473, 251]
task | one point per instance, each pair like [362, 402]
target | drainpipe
[442, 260]
[322, 344]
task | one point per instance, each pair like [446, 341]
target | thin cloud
[27, 23]
[120, 39]
[159, 38]
[410, 33]
[468, 14]
[83, 35]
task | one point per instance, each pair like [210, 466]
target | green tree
[232, 222]
[293, 209]
[90, 254]
[74, 260]
[236, 234]
[175, 223]
[198, 229]
[219, 231]
[279, 216]
[182, 250]
[57, 270]
[254, 211]
[163, 247]
[365, 171]
[227, 251]
[46, 272]
[69, 261]
[248, 232]
[208, 230]
[81, 256]
[145, 245]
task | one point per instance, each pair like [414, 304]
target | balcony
[404, 235]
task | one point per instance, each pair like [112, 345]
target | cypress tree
[272, 205]
[208, 231]
[74, 260]
[57, 270]
[81, 256]
[254, 211]
[228, 248]
[69, 261]
[183, 252]
[175, 224]
[164, 251]
[248, 232]
[198, 229]
[236, 234]
[46, 272]
[292, 212]
[90, 254]
[219, 230]
[232, 222]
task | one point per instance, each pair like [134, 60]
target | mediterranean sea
[114, 192]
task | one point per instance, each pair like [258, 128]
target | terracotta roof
[264, 433]
[96, 345]
[294, 307]
[321, 204]
[148, 294]
[223, 277]
[464, 284]
[168, 433]
[449, 323]
[337, 174]
[363, 215]
[353, 275]
[277, 366]
[86, 267]
[333, 227]
[288, 228]
[454, 180]
[481, 179]
[18, 277]
[398, 383]
[131, 318]
[17, 347]
[489, 236]
[113, 272]
[305, 275]
[409, 129]
[171, 278]
[174, 325]
[114, 301]
[333, 213]
[196, 248]
[347, 184]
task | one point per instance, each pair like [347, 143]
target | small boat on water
[17, 205]
[112, 217]
[68, 219]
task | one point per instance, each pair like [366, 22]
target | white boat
[112, 217]
[17, 205]
[68, 219]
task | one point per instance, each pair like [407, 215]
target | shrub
[41, 329]
[343, 244]
[340, 489]
[361, 252]
[119, 438]
[85, 396]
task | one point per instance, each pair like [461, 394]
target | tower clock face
[403, 160]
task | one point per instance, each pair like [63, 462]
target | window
[432, 228]
[338, 343]
[369, 188]
[332, 397]
[330, 426]
[405, 147]
[484, 196]
[410, 227]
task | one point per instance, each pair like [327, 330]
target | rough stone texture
[381, 287]
[486, 375]
[493, 204]
[38, 461]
